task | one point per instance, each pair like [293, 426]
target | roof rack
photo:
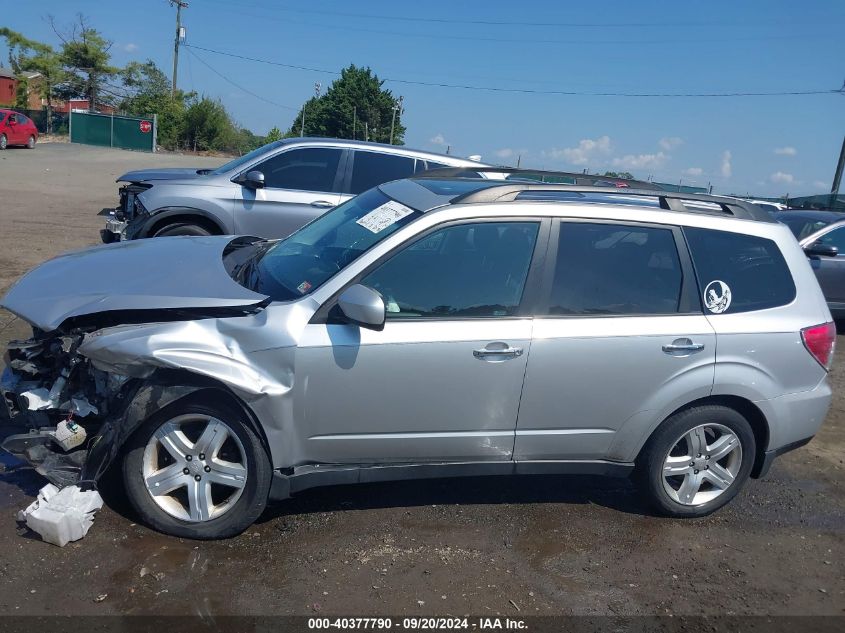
[669, 201]
[538, 175]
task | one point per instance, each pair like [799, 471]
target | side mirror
[362, 306]
[253, 179]
[818, 249]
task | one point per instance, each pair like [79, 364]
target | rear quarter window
[739, 273]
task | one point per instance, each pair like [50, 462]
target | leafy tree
[274, 134]
[356, 99]
[208, 126]
[148, 93]
[85, 58]
[625, 175]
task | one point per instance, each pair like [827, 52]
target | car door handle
[497, 353]
[681, 345]
[322, 204]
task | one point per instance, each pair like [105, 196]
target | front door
[620, 334]
[830, 271]
[442, 381]
[299, 185]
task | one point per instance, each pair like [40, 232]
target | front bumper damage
[119, 218]
[74, 417]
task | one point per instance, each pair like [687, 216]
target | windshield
[303, 262]
[802, 227]
[243, 160]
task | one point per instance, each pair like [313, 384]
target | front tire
[30, 143]
[182, 229]
[196, 469]
[696, 461]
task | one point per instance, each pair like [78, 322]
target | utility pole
[317, 87]
[180, 34]
[396, 106]
[837, 177]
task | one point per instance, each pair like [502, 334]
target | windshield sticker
[384, 216]
[717, 296]
[304, 287]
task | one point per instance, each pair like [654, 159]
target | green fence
[107, 130]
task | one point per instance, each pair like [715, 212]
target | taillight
[820, 340]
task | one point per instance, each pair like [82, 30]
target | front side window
[306, 169]
[612, 269]
[468, 270]
[739, 273]
[370, 169]
[836, 238]
[802, 227]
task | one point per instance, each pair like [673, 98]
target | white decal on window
[717, 296]
[385, 215]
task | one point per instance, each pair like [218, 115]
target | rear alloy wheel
[4, 142]
[181, 229]
[197, 471]
[697, 461]
[30, 144]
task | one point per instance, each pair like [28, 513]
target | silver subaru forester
[429, 327]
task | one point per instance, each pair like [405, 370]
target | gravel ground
[536, 545]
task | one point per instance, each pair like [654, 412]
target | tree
[274, 134]
[354, 102]
[619, 174]
[148, 92]
[209, 127]
[85, 58]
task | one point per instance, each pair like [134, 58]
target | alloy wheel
[194, 467]
[702, 464]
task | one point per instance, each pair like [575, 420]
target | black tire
[30, 143]
[4, 142]
[649, 472]
[182, 229]
[253, 498]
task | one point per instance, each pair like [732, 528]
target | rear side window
[371, 169]
[739, 273]
[606, 269]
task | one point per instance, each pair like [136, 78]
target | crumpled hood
[171, 173]
[160, 273]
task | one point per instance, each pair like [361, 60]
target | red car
[16, 129]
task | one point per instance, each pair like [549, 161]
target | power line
[236, 85]
[574, 93]
[603, 25]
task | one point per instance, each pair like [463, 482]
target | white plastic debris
[69, 434]
[36, 399]
[61, 516]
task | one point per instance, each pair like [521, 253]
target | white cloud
[641, 161]
[130, 48]
[781, 177]
[726, 168]
[821, 184]
[693, 171]
[586, 150]
[786, 151]
[670, 142]
[505, 152]
[438, 139]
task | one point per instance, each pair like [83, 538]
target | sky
[530, 52]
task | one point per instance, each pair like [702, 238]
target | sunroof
[455, 188]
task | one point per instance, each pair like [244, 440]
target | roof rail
[669, 201]
[531, 175]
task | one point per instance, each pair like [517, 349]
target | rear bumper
[761, 468]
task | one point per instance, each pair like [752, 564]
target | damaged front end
[53, 390]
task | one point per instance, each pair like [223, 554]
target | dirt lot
[540, 545]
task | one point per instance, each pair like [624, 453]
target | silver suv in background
[270, 192]
[428, 327]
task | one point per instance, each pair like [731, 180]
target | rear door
[299, 184]
[619, 337]
[369, 169]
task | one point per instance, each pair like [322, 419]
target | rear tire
[182, 229]
[696, 461]
[167, 454]
[30, 144]
[4, 142]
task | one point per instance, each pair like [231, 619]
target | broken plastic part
[36, 399]
[69, 434]
[61, 516]
[81, 407]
